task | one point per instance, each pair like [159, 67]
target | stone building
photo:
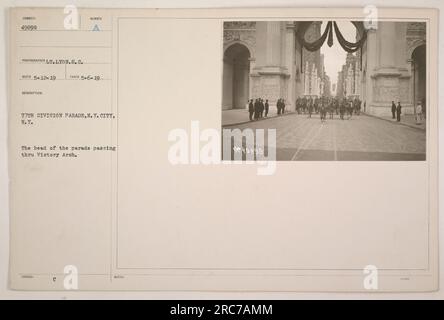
[349, 78]
[394, 66]
[327, 85]
[340, 84]
[265, 59]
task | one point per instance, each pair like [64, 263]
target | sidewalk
[241, 116]
[406, 120]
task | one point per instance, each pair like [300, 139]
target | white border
[5, 293]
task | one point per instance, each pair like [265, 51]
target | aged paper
[127, 172]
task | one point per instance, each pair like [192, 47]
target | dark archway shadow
[236, 77]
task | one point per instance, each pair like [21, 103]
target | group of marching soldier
[331, 105]
[343, 107]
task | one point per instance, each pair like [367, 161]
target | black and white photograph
[250, 152]
[333, 90]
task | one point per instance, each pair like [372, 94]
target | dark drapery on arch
[328, 33]
[317, 44]
[350, 46]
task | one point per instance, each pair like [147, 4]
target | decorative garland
[346, 45]
[328, 33]
[317, 44]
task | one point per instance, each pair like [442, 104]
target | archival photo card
[248, 150]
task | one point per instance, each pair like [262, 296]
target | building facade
[349, 78]
[264, 60]
[394, 67]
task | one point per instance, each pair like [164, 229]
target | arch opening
[236, 77]
[419, 75]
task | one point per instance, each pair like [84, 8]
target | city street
[360, 138]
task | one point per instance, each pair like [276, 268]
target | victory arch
[268, 59]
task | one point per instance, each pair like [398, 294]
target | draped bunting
[346, 45]
[328, 33]
[317, 44]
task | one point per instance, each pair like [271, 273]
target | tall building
[333, 89]
[327, 86]
[340, 85]
[349, 78]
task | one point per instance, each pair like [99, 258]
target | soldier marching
[346, 108]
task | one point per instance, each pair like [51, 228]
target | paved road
[360, 138]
